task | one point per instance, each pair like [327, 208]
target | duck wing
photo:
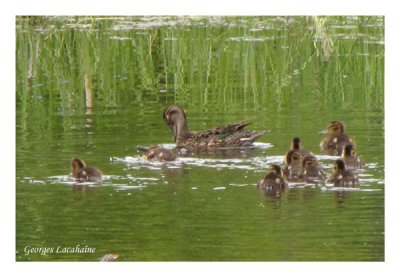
[222, 131]
[229, 135]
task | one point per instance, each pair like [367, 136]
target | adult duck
[225, 136]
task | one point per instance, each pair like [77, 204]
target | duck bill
[323, 132]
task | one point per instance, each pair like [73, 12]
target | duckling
[312, 170]
[336, 138]
[293, 165]
[341, 177]
[82, 173]
[350, 158]
[293, 160]
[230, 135]
[274, 180]
[155, 153]
[296, 145]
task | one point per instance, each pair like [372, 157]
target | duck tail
[252, 136]
[259, 134]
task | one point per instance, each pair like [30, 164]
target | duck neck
[181, 131]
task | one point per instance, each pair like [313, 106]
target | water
[96, 88]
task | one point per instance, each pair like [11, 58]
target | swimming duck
[296, 146]
[156, 153]
[230, 135]
[293, 165]
[336, 138]
[274, 180]
[312, 171]
[81, 172]
[341, 177]
[293, 160]
[350, 158]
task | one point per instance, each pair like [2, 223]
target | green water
[96, 87]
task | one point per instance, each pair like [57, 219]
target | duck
[231, 135]
[293, 160]
[81, 172]
[297, 146]
[155, 153]
[336, 139]
[312, 171]
[274, 180]
[350, 158]
[293, 165]
[342, 177]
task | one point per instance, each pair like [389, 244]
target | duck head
[335, 127]
[275, 169]
[293, 156]
[309, 162]
[339, 166]
[76, 166]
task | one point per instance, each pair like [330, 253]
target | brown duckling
[350, 158]
[341, 177]
[82, 173]
[155, 153]
[230, 135]
[311, 170]
[274, 180]
[336, 139]
[297, 146]
[293, 165]
[293, 160]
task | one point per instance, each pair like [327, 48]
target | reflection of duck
[274, 179]
[336, 138]
[341, 177]
[81, 172]
[230, 135]
[155, 153]
[350, 158]
[312, 170]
